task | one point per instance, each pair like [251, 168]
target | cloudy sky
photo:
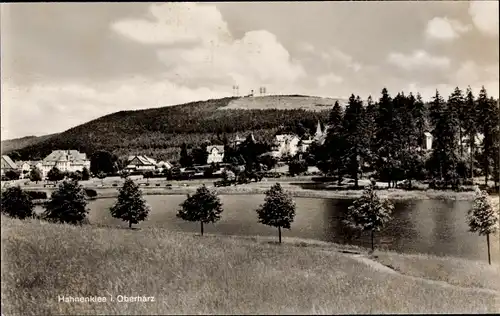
[66, 63]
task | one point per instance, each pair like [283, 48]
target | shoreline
[294, 191]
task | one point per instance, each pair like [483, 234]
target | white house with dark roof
[215, 154]
[65, 161]
[140, 163]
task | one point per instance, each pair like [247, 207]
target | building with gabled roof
[140, 163]
[215, 154]
[65, 161]
[7, 164]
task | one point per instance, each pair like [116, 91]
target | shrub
[296, 167]
[68, 204]
[17, 203]
[91, 193]
[37, 195]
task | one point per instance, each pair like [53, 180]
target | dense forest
[386, 137]
[159, 132]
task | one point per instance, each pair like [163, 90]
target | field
[187, 273]
[283, 103]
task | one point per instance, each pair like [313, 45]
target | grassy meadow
[188, 273]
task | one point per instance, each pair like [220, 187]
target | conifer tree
[471, 126]
[456, 103]
[483, 218]
[331, 153]
[130, 206]
[278, 209]
[354, 136]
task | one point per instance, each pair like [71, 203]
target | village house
[237, 141]
[27, 166]
[290, 144]
[140, 163]
[215, 154]
[427, 141]
[477, 142]
[7, 165]
[65, 161]
[164, 165]
[285, 145]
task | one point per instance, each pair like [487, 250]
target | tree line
[68, 204]
[387, 138]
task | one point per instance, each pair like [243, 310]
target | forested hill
[159, 132]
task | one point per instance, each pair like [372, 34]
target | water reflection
[426, 226]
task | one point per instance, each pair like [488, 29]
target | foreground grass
[216, 275]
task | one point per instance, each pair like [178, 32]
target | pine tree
[369, 213]
[387, 138]
[68, 204]
[130, 206]
[355, 138]
[487, 114]
[16, 203]
[35, 175]
[482, 218]
[204, 207]
[278, 209]
[370, 115]
[456, 103]
[329, 156]
[185, 160]
[419, 116]
[445, 129]
[471, 125]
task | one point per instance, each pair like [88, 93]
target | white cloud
[176, 23]
[329, 79]
[445, 29]
[484, 14]
[68, 105]
[306, 47]
[418, 59]
[214, 56]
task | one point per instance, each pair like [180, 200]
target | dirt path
[382, 268]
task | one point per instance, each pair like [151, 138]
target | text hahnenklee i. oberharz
[105, 299]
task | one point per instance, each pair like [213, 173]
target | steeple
[319, 132]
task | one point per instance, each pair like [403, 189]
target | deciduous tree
[16, 203]
[369, 213]
[278, 209]
[482, 218]
[68, 204]
[204, 206]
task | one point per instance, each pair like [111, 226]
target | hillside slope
[159, 132]
[10, 145]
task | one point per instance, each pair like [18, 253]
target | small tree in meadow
[369, 213]
[68, 204]
[482, 218]
[16, 203]
[204, 207]
[35, 175]
[130, 205]
[278, 209]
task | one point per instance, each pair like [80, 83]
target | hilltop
[159, 132]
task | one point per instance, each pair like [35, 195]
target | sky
[63, 64]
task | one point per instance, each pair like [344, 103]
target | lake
[423, 226]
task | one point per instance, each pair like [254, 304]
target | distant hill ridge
[159, 132]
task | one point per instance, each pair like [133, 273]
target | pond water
[425, 226]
